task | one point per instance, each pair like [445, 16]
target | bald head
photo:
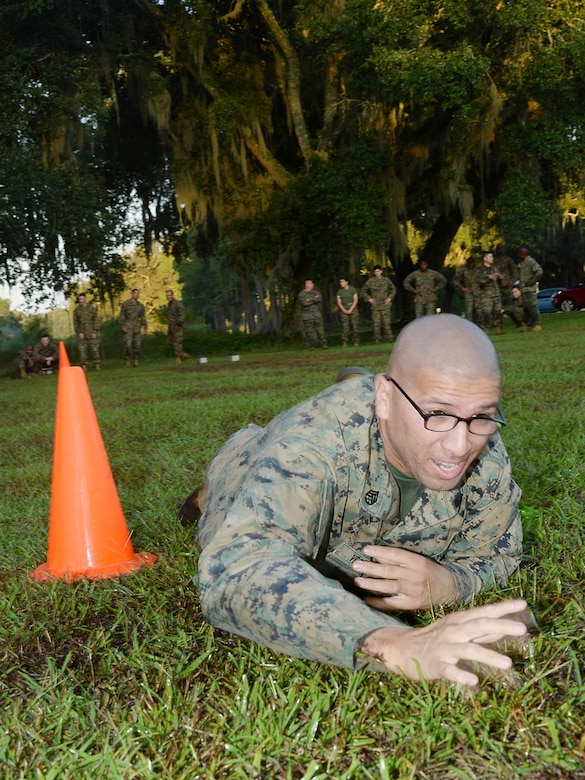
[444, 344]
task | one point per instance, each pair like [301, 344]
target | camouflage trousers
[94, 348]
[349, 323]
[175, 340]
[489, 312]
[381, 321]
[313, 331]
[424, 306]
[132, 343]
[530, 306]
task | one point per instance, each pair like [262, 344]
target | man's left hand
[403, 580]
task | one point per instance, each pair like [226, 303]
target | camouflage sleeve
[366, 294]
[440, 280]
[122, 316]
[76, 322]
[255, 575]
[391, 289]
[488, 548]
[407, 283]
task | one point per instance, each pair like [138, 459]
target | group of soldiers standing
[501, 286]
[44, 357]
[379, 291]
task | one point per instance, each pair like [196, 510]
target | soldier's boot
[356, 343]
[184, 356]
[84, 367]
[498, 331]
[324, 345]
[97, 366]
[344, 343]
[179, 360]
[536, 328]
[136, 362]
[23, 374]
[127, 363]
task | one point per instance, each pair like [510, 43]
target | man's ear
[382, 396]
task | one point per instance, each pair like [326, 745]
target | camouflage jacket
[132, 314]
[290, 505]
[488, 289]
[529, 273]
[505, 266]
[310, 302]
[378, 289]
[426, 284]
[463, 279]
[86, 320]
[41, 353]
[175, 314]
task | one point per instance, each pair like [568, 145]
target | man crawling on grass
[380, 495]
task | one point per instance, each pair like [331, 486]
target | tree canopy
[299, 137]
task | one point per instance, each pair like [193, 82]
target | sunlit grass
[122, 679]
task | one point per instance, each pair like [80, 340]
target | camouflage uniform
[42, 352]
[464, 281]
[133, 318]
[23, 365]
[489, 302]
[425, 285]
[86, 320]
[380, 289]
[290, 505]
[529, 273]
[176, 319]
[349, 322]
[312, 317]
[506, 267]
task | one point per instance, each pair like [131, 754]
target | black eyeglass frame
[499, 421]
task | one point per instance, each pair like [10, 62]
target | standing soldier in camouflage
[132, 319]
[23, 365]
[379, 291]
[508, 274]
[86, 323]
[347, 301]
[463, 284]
[425, 284]
[397, 486]
[489, 302]
[310, 302]
[529, 274]
[176, 320]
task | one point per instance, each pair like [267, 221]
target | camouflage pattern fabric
[176, 320]
[425, 285]
[312, 317]
[86, 320]
[42, 352]
[506, 266]
[529, 274]
[22, 365]
[488, 302]
[133, 318]
[290, 505]
[464, 281]
[380, 289]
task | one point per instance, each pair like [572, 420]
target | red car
[571, 298]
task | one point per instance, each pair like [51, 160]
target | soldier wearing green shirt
[347, 301]
[132, 320]
[86, 323]
[424, 283]
[382, 494]
[379, 292]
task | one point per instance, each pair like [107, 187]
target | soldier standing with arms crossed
[86, 323]
[132, 320]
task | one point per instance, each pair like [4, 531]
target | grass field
[121, 678]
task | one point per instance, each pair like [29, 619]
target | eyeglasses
[439, 422]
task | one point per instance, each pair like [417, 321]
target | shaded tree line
[262, 142]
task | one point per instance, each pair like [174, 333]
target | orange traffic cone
[63, 356]
[88, 535]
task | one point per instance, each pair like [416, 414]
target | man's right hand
[434, 651]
